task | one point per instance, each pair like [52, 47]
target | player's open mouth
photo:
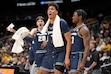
[49, 14]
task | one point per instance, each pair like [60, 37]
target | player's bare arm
[84, 32]
[68, 48]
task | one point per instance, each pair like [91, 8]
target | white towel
[57, 35]
[10, 26]
[45, 27]
[18, 36]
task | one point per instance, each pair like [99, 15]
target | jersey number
[72, 39]
[41, 38]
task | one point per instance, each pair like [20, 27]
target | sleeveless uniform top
[40, 38]
[77, 40]
[50, 47]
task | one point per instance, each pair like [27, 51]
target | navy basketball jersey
[64, 28]
[50, 46]
[77, 40]
[40, 38]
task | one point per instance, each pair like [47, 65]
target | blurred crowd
[9, 59]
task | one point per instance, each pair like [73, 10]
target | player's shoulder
[84, 29]
[62, 20]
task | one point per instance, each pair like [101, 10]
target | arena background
[23, 13]
[11, 11]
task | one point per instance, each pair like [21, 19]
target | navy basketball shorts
[38, 59]
[59, 58]
[75, 60]
[48, 63]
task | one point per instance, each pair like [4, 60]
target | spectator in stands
[6, 56]
[94, 67]
[104, 57]
[107, 46]
[15, 61]
[22, 64]
[92, 34]
[100, 45]
[105, 25]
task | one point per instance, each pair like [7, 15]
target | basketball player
[57, 57]
[80, 42]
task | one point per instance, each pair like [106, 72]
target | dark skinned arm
[68, 49]
[84, 32]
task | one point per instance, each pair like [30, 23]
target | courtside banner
[6, 71]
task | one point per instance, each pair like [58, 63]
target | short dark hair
[40, 18]
[54, 4]
[82, 13]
